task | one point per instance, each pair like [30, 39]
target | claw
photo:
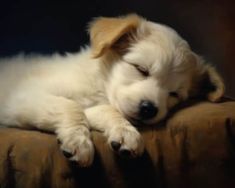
[67, 154]
[115, 145]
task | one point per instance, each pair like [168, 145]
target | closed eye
[174, 94]
[142, 70]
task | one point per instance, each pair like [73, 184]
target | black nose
[147, 110]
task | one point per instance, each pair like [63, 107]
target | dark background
[60, 26]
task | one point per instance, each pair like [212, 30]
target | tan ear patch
[217, 81]
[209, 84]
[105, 32]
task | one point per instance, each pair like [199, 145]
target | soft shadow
[141, 172]
[94, 176]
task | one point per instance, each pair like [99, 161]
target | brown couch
[194, 147]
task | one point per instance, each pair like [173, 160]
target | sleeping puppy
[133, 73]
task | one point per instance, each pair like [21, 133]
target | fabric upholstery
[193, 147]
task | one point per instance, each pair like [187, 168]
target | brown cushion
[194, 147]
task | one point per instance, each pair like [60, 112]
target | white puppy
[133, 73]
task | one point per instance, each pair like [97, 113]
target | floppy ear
[217, 83]
[108, 32]
[211, 84]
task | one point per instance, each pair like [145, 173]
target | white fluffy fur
[71, 94]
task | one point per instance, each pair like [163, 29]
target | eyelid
[141, 69]
[174, 94]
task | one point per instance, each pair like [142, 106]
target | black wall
[42, 26]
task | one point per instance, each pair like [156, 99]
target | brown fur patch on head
[107, 33]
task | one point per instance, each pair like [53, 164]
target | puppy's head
[151, 68]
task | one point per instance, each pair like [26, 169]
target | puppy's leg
[54, 114]
[122, 136]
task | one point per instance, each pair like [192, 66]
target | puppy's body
[135, 71]
[74, 76]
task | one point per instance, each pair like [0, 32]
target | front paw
[126, 141]
[77, 147]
